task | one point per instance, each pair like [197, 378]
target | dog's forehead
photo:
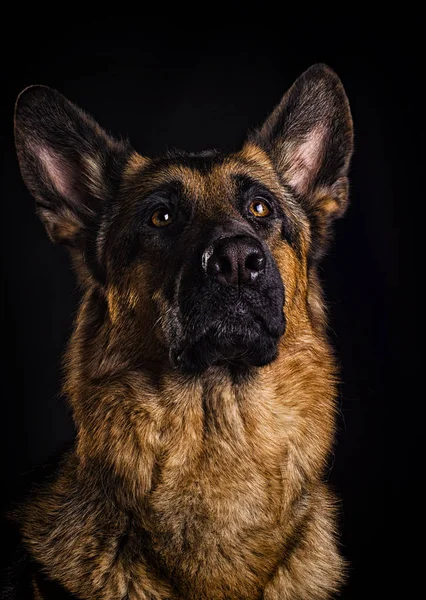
[208, 178]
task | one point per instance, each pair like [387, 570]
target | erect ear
[309, 137]
[69, 164]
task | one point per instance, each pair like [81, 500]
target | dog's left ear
[68, 162]
[309, 137]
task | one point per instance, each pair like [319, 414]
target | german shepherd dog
[199, 373]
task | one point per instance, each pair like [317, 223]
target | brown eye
[260, 208]
[161, 217]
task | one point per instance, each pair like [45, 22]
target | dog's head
[197, 259]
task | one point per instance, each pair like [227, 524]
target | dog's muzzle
[231, 301]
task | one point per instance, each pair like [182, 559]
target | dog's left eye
[260, 208]
[161, 217]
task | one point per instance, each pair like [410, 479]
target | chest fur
[215, 509]
[214, 485]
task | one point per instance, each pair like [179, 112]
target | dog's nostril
[220, 265]
[255, 262]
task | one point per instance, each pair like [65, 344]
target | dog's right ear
[68, 162]
[309, 138]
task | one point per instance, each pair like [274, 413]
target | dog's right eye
[161, 217]
[260, 208]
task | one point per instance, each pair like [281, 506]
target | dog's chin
[239, 351]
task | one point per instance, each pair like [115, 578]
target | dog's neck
[145, 408]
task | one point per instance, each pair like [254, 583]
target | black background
[164, 82]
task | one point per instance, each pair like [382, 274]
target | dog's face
[200, 259]
[200, 237]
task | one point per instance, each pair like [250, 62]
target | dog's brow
[164, 189]
[246, 183]
[186, 180]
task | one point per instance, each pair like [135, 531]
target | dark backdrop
[172, 85]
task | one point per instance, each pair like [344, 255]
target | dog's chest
[216, 502]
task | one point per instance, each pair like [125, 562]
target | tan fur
[224, 480]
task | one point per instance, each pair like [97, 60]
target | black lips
[231, 300]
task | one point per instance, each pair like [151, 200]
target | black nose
[236, 261]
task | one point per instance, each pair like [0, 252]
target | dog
[199, 373]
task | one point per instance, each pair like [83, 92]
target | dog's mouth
[239, 341]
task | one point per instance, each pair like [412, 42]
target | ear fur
[68, 162]
[309, 137]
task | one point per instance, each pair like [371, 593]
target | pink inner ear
[58, 171]
[304, 159]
